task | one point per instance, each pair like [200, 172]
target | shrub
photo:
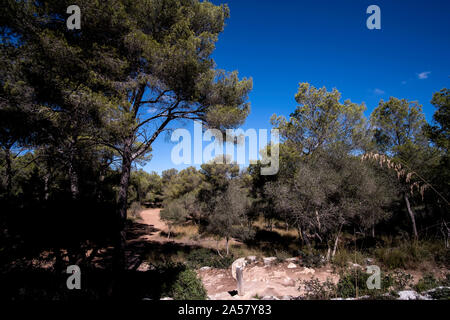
[282, 255]
[344, 256]
[316, 290]
[393, 258]
[428, 282]
[311, 258]
[411, 255]
[401, 280]
[205, 257]
[354, 284]
[135, 210]
[440, 294]
[188, 286]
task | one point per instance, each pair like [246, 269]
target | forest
[80, 111]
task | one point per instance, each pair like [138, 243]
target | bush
[188, 286]
[411, 255]
[135, 210]
[205, 257]
[316, 290]
[354, 284]
[393, 258]
[343, 257]
[428, 282]
[440, 294]
[401, 280]
[311, 258]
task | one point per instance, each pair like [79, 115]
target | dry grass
[188, 231]
[278, 227]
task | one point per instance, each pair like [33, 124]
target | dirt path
[151, 218]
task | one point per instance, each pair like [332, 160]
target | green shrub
[411, 255]
[311, 258]
[400, 280]
[316, 290]
[440, 294]
[354, 284]
[135, 210]
[282, 255]
[343, 257]
[393, 258]
[188, 286]
[205, 257]
[428, 282]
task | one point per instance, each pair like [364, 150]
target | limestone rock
[144, 266]
[269, 260]
[238, 262]
[308, 271]
[292, 266]
[288, 282]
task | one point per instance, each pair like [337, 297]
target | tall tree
[143, 64]
[398, 132]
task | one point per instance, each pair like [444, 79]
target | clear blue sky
[326, 43]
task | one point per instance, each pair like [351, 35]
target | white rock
[269, 260]
[288, 282]
[354, 265]
[308, 271]
[144, 266]
[294, 259]
[166, 298]
[205, 268]
[292, 266]
[237, 263]
[411, 295]
[269, 298]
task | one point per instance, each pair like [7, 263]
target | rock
[238, 262]
[269, 260]
[294, 259]
[369, 260]
[269, 291]
[269, 298]
[166, 298]
[288, 282]
[144, 266]
[307, 271]
[286, 298]
[410, 295]
[354, 265]
[251, 259]
[205, 268]
[292, 266]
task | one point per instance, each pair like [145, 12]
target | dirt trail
[151, 218]
[259, 280]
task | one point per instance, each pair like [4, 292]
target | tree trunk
[46, 182]
[122, 201]
[411, 215]
[335, 246]
[217, 248]
[8, 171]
[74, 190]
[228, 247]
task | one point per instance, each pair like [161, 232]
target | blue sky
[326, 43]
